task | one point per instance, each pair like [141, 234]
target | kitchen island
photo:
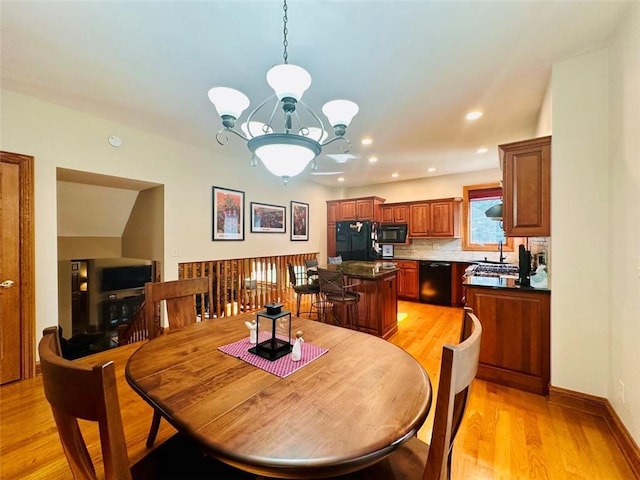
[515, 347]
[378, 289]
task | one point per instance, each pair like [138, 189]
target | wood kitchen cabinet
[457, 280]
[515, 347]
[365, 208]
[526, 187]
[394, 213]
[407, 279]
[435, 218]
[331, 239]
[378, 305]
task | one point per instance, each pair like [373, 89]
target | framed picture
[299, 221]
[228, 214]
[268, 218]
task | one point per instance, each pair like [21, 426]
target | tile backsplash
[451, 249]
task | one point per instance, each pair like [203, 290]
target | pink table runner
[281, 367]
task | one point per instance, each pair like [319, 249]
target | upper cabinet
[435, 218]
[365, 208]
[394, 213]
[526, 187]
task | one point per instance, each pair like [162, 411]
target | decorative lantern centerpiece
[278, 323]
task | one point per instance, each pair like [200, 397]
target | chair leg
[153, 431]
[299, 297]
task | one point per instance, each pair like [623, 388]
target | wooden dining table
[347, 409]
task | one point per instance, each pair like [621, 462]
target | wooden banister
[244, 284]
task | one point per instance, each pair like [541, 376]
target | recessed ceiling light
[366, 141]
[395, 175]
[373, 159]
[431, 169]
[341, 179]
[482, 150]
[476, 114]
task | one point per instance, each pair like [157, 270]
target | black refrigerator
[357, 240]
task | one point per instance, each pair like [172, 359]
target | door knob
[7, 284]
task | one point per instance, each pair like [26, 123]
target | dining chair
[334, 260]
[180, 298]
[87, 393]
[414, 459]
[90, 393]
[311, 266]
[334, 290]
[302, 287]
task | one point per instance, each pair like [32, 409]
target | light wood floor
[507, 434]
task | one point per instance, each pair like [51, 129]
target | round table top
[347, 409]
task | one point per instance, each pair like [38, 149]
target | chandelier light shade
[228, 102]
[340, 112]
[288, 81]
[285, 152]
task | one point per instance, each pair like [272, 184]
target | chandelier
[287, 152]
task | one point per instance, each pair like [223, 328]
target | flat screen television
[124, 278]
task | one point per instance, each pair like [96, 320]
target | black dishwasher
[435, 283]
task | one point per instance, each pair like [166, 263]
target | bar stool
[333, 290]
[302, 287]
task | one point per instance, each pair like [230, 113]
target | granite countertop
[364, 270]
[394, 259]
[500, 283]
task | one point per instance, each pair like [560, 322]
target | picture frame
[228, 214]
[266, 218]
[299, 221]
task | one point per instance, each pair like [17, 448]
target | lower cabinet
[515, 346]
[407, 279]
[378, 306]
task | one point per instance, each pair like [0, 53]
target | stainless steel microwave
[393, 233]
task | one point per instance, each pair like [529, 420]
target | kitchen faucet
[502, 257]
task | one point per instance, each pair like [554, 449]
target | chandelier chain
[285, 42]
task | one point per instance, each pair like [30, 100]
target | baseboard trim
[600, 407]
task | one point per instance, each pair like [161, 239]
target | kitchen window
[479, 231]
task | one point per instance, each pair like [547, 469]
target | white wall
[61, 137]
[580, 331]
[624, 223]
[596, 222]
[442, 186]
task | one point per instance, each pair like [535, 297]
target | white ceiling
[414, 67]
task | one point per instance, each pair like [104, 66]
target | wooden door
[331, 240]
[386, 214]
[419, 220]
[401, 213]
[408, 279]
[442, 219]
[17, 319]
[333, 212]
[364, 209]
[526, 177]
[347, 210]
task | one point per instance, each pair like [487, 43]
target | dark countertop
[363, 270]
[500, 283]
[404, 259]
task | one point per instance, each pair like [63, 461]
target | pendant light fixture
[287, 152]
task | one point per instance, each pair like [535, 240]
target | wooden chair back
[457, 370]
[180, 297]
[294, 278]
[90, 394]
[331, 282]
